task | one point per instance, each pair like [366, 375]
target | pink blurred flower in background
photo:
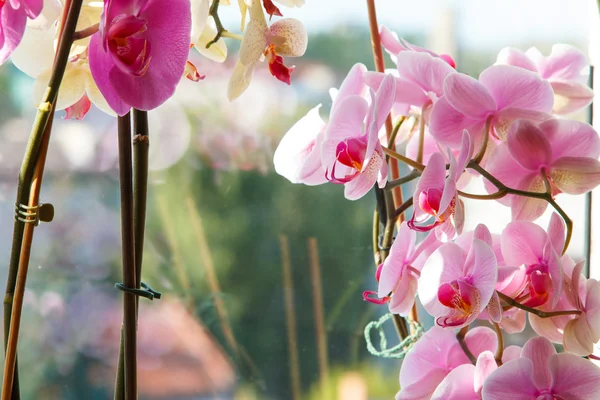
[563, 68]
[395, 45]
[542, 374]
[13, 17]
[139, 56]
[563, 151]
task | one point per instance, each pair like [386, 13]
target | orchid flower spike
[455, 285]
[399, 273]
[436, 194]
[540, 373]
[13, 18]
[139, 56]
[351, 153]
[561, 153]
[284, 38]
[563, 68]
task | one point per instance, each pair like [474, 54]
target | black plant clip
[145, 291]
[35, 214]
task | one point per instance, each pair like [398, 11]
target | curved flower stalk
[13, 18]
[436, 195]
[435, 356]
[351, 152]
[562, 68]
[140, 53]
[399, 274]
[540, 373]
[502, 94]
[203, 33]
[284, 38]
[560, 156]
[455, 285]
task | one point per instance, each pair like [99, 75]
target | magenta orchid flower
[542, 374]
[298, 155]
[395, 45]
[465, 382]
[436, 194]
[420, 80]
[563, 151]
[399, 273]
[13, 17]
[562, 68]
[502, 94]
[351, 152]
[139, 56]
[536, 252]
[456, 285]
[435, 356]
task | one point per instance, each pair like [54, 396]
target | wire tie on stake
[398, 351]
[145, 291]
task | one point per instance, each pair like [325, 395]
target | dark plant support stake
[588, 196]
[141, 145]
[129, 278]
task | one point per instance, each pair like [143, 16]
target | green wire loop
[398, 351]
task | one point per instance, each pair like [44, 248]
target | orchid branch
[460, 336]
[500, 349]
[87, 32]
[421, 137]
[486, 139]
[414, 174]
[30, 163]
[542, 314]
[408, 161]
[214, 12]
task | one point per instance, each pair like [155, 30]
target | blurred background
[261, 279]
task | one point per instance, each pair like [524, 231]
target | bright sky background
[479, 23]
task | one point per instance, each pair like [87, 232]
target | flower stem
[500, 349]
[414, 174]
[128, 255]
[421, 136]
[32, 154]
[542, 314]
[408, 161]
[460, 336]
[87, 32]
[486, 139]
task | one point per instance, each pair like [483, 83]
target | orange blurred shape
[352, 386]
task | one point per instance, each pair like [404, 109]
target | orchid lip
[125, 41]
[367, 297]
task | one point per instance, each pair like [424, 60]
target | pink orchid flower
[577, 333]
[536, 252]
[563, 151]
[542, 374]
[298, 157]
[562, 68]
[502, 94]
[436, 194]
[13, 17]
[395, 45]
[435, 355]
[420, 80]
[399, 273]
[456, 285]
[139, 56]
[465, 382]
[351, 152]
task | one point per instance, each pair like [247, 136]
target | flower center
[128, 46]
[539, 285]
[351, 153]
[462, 298]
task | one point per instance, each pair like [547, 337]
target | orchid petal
[217, 51]
[539, 350]
[486, 364]
[512, 381]
[529, 208]
[393, 265]
[575, 175]
[574, 378]
[12, 23]
[426, 71]
[516, 87]
[469, 96]
[515, 57]
[529, 146]
[522, 243]
[446, 123]
[570, 97]
[458, 384]
[571, 138]
[564, 63]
